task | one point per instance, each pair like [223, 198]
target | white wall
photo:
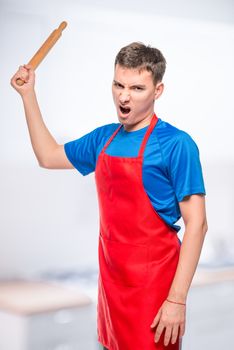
[49, 219]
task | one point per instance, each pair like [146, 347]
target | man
[148, 174]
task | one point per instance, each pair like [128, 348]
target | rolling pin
[44, 49]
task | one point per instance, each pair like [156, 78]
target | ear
[158, 90]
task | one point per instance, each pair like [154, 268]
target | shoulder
[94, 137]
[171, 137]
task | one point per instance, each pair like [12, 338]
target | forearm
[42, 141]
[189, 256]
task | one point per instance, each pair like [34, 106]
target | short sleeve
[82, 152]
[185, 167]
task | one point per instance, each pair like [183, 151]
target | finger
[30, 73]
[156, 319]
[158, 332]
[174, 334]
[25, 77]
[22, 73]
[18, 75]
[28, 66]
[23, 69]
[182, 329]
[14, 78]
[167, 336]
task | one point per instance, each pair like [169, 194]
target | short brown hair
[138, 55]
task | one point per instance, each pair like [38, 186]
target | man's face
[134, 93]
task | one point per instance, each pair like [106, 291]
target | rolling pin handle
[19, 82]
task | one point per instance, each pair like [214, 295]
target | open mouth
[125, 110]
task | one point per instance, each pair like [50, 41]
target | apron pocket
[123, 263]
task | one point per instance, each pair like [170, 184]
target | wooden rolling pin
[44, 49]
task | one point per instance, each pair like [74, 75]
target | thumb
[156, 319]
[31, 73]
[30, 70]
[28, 66]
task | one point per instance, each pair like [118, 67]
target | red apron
[138, 254]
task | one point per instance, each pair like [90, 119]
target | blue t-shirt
[171, 165]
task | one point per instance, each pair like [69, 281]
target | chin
[123, 118]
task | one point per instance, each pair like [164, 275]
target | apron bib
[138, 254]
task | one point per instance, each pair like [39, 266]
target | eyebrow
[134, 85]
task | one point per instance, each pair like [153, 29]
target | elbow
[43, 163]
[197, 227]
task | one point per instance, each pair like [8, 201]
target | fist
[27, 75]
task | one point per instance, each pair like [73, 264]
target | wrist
[175, 302]
[28, 95]
[179, 297]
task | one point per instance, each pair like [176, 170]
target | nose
[124, 96]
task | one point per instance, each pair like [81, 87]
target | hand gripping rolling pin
[44, 49]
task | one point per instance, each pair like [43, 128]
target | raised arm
[48, 152]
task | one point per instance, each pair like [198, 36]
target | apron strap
[153, 122]
[111, 138]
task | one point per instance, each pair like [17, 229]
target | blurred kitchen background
[49, 218]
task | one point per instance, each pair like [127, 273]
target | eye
[117, 85]
[137, 88]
